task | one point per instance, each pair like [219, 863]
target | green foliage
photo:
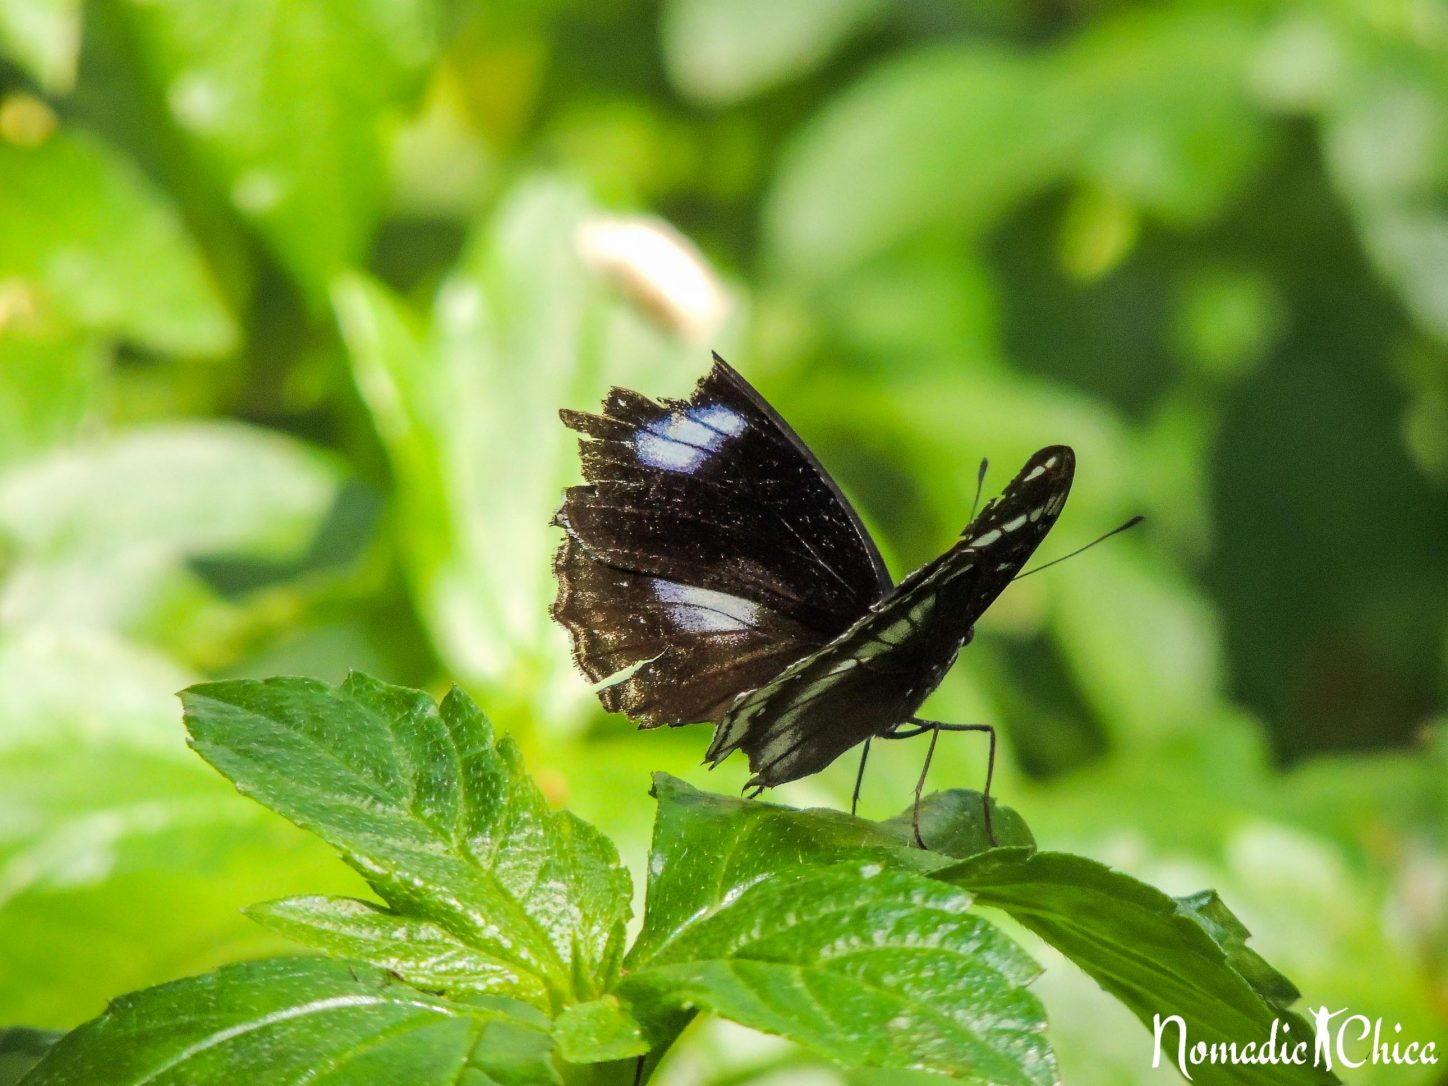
[274, 1020]
[437, 820]
[99, 249]
[501, 937]
[1147, 949]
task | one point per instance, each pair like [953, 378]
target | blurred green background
[291, 291]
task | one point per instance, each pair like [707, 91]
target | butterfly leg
[920, 787]
[935, 727]
[859, 777]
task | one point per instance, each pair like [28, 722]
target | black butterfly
[711, 570]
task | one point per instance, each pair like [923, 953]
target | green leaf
[333, 1023]
[1159, 107]
[51, 381]
[283, 105]
[441, 820]
[1207, 909]
[42, 37]
[598, 1031]
[723, 51]
[1152, 107]
[821, 928]
[21, 1049]
[944, 136]
[424, 954]
[95, 245]
[1152, 664]
[708, 848]
[101, 534]
[1154, 954]
[1385, 136]
[519, 330]
[952, 823]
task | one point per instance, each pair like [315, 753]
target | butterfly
[712, 571]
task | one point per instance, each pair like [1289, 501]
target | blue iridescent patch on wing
[683, 440]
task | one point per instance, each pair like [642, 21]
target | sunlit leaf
[442, 821]
[42, 37]
[122, 859]
[101, 534]
[51, 380]
[598, 1031]
[272, 1021]
[821, 928]
[283, 103]
[947, 136]
[91, 241]
[721, 51]
[1152, 107]
[1147, 949]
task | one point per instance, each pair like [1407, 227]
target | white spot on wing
[702, 610]
[1039, 469]
[987, 539]
[1012, 525]
[719, 417]
[683, 440]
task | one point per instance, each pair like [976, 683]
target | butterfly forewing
[875, 675]
[707, 550]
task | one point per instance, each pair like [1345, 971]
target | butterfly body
[712, 571]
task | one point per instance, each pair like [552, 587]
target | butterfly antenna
[1132, 523]
[981, 484]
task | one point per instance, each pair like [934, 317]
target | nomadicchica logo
[1336, 1041]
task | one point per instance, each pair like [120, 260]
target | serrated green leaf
[521, 328]
[598, 1031]
[283, 107]
[1207, 909]
[1143, 948]
[424, 954]
[821, 928]
[866, 965]
[708, 848]
[442, 821]
[21, 1049]
[332, 1023]
[95, 245]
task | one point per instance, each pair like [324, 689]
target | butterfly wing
[707, 550]
[875, 675]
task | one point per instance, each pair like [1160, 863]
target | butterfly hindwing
[706, 551]
[694, 649]
[875, 675]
